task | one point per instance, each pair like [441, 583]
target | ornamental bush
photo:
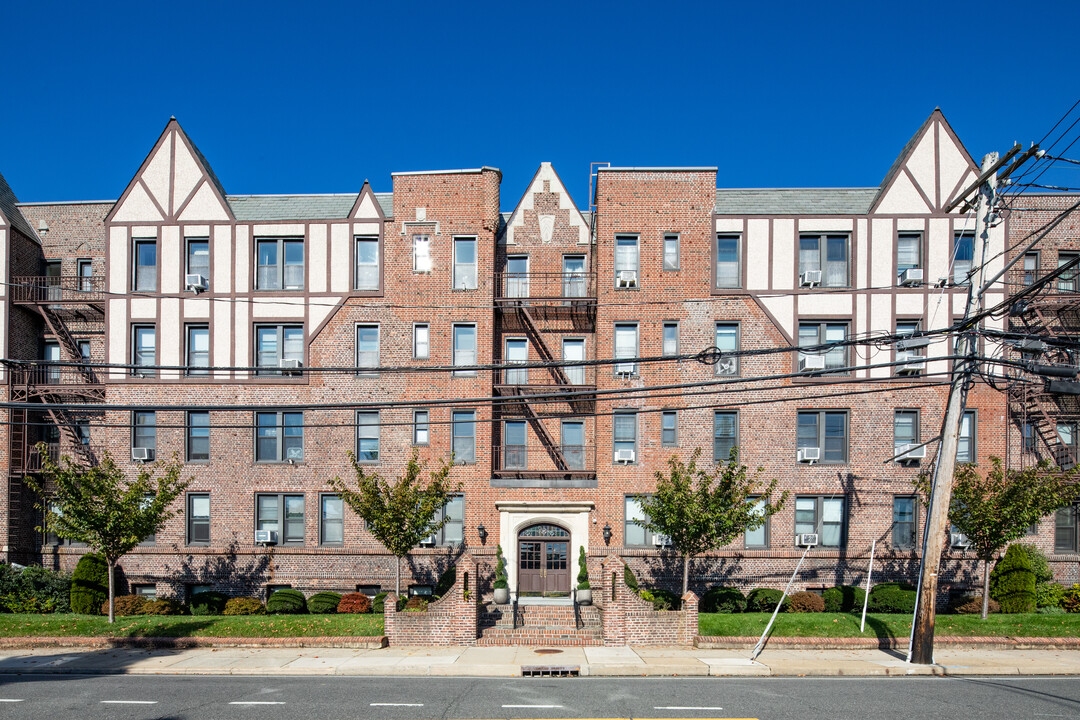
[89, 585]
[286, 601]
[324, 603]
[583, 570]
[764, 600]
[1048, 594]
[806, 602]
[1039, 565]
[723, 600]
[500, 570]
[1051, 610]
[843, 598]
[1016, 582]
[416, 604]
[1070, 600]
[630, 578]
[208, 603]
[377, 604]
[162, 606]
[355, 603]
[34, 589]
[244, 606]
[661, 599]
[972, 605]
[892, 598]
[125, 605]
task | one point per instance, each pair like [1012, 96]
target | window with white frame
[331, 520]
[1066, 432]
[421, 427]
[728, 270]
[146, 270]
[1031, 268]
[464, 263]
[826, 254]
[963, 254]
[283, 514]
[821, 333]
[671, 338]
[421, 341]
[573, 444]
[825, 430]
[198, 257]
[626, 347]
[143, 350]
[725, 434]
[759, 536]
[84, 268]
[464, 349]
[279, 264]
[1067, 280]
[144, 430]
[624, 436]
[626, 261]
[367, 263]
[904, 519]
[421, 253]
[1065, 529]
[575, 282]
[198, 349]
[198, 518]
[517, 353]
[453, 532]
[367, 437]
[634, 532]
[822, 515]
[573, 350]
[277, 344]
[463, 428]
[908, 251]
[671, 251]
[367, 349]
[669, 428]
[198, 436]
[905, 430]
[279, 436]
[965, 442]
[727, 341]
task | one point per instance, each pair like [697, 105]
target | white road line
[541, 707]
[396, 704]
[10, 700]
[255, 702]
[129, 702]
[687, 707]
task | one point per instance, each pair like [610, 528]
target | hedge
[843, 598]
[1016, 582]
[208, 603]
[244, 606]
[324, 603]
[723, 600]
[892, 598]
[764, 600]
[126, 605]
[286, 601]
[89, 584]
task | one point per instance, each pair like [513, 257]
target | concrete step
[502, 616]
[560, 636]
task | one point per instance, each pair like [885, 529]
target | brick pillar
[688, 627]
[390, 617]
[614, 587]
[466, 594]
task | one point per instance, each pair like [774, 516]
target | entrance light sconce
[482, 531]
[607, 534]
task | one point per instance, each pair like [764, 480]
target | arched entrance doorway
[544, 561]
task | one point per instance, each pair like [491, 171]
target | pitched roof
[794, 201]
[255, 208]
[9, 206]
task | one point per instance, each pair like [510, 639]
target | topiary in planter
[583, 570]
[244, 606]
[764, 600]
[125, 605]
[162, 606]
[891, 598]
[286, 601]
[208, 603]
[500, 570]
[723, 600]
[324, 603]
[805, 602]
[843, 598]
[354, 603]
[1016, 582]
[89, 584]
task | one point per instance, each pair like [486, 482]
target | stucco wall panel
[757, 254]
[783, 268]
[882, 257]
[222, 270]
[317, 258]
[170, 260]
[170, 337]
[339, 254]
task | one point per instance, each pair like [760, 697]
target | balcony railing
[53, 374]
[63, 289]
[537, 461]
[578, 375]
[57, 451]
[569, 287]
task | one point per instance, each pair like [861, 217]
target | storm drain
[550, 670]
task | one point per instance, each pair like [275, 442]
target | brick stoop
[540, 625]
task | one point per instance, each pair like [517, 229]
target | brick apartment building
[367, 321]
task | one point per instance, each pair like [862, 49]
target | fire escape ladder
[1044, 426]
[71, 349]
[16, 509]
[554, 450]
[537, 339]
[69, 430]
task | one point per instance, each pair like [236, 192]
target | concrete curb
[711, 642]
[182, 643]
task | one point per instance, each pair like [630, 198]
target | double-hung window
[728, 271]
[464, 263]
[517, 353]
[146, 270]
[463, 427]
[905, 431]
[725, 434]
[367, 437]
[573, 444]
[669, 428]
[825, 254]
[84, 268]
[626, 261]
[421, 253]
[671, 338]
[1067, 280]
[903, 521]
[822, 515]
[624, 436]
[825, 430]
[367, 350]
[421, 344]
[1065, 529]
[965, 443]
[283, 514]
[53, 370]
[143, 350]
[279, 264]
[671, 251]
[198, 349]
[331, 520]
[198, 436]
[198, 257]
[727, 341]
[822, 333]
[515, 451]
[575, 283]
[421, 428]
[759, 536]
[144, 430]
[908, 252]
[1066, 432]
[634, 532]
[1031, 268]
[626, 347]
[367, 263]
[453, 532]
[963, 254]
[279, 436]
[198, 518]
[276, 344]
[465, 349]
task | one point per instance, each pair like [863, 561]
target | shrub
[286, 601]
[162, 606]
[208, 603]
[1048, 594]
[806, 602]
[972, 605]
[125, 605]
[500, 570]
[1039, 565]
[354, 603]
[764, 600]
[660, 599]
[892, 598]
[446, 581]
[244, 606]
[89, 584]
[723, 600]
[416, 604]
[843, 598]
[1051, 610]
[324, 603]
[630, 578]
[1070, 600]
[34, 589]
[1016, 582]
[377, 603]
[583, 571]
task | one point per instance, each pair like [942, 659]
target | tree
[101, 506]
[996, 507]
[704, 509]
[402, 513]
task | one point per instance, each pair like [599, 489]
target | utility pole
[922, 634]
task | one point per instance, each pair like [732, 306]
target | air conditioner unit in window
[291, 366]
[808, 454]
[626, 279]
[142, 454]
[810, 363]
[626, 369]
[806, 539]
[959, 540]
[198, 283]
[912, 277]
[428, 541]
[266, 537]
[913, 363]
[910, 451]
[810, 278]
[661, 541]
[624, 456]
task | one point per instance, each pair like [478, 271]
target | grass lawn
[840, 625]
[193, 626]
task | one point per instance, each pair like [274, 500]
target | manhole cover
[547, 651]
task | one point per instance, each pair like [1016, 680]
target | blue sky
[316, 97]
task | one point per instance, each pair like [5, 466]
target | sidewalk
[518, 661]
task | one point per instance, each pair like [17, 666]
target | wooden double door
[544, 561]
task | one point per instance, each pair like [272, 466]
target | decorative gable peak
[546, 213]
[367, 205]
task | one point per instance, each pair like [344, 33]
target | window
[573, 350]
[727, 341]
[826, 430]
[1065, 529]
[965, 444]
[145, 265]
[626, 261]
[464, 263]
[144, 430]
[634, 532]
[84, 349]
[1066, 432]
[84, 268]
[728, 273]
[198, 257]
[517, 276]
[626, 346]
[276, 344]
[671, 339]
[143, 350]
[464, 349]
[1027, 437]
[905, 430]
[279, 436]
[575, 283]
[821, 333]
[903, 522]
[1031, 268]
[421, 432]
[517, 353]
[821, 515]
[725, 434]
[1067, 281]
[421, 341]
[367, 437]
[367, 263]
[669, 428]
[198, 349]
[53, 270]
[331, 520]
[963, 254]
[759, 537]
[671, 251]
[146, 590]
[53, 370]
[624, 436]
[198, 518]
[82, 430]
[573, 444]
[198, 436]
[367, 350]
[514, 449]
[283, 514]
[827, 254]
[463, 424]
[279, 264]
[453, 533]
[421, 253]
[908, 251]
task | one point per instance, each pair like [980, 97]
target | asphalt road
[327, 698]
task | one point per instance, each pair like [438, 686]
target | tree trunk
[986, 588]
[397, 576]
[112, 594]
[685, 573]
